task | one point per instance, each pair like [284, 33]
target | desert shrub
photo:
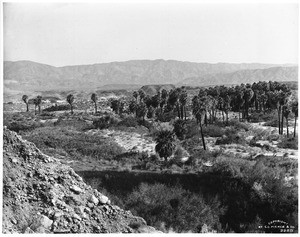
[18, 126]
[231, 136]
[289, 142]
[180, 128]
[128, 121]
[46, 115]
[173, 208]
[105, 122]
[192, 128]
[145, 123]
[233, 123]
[233, 167]
[213, 131]
[57, 108]
[74, 124]
[77, 145]
[166, 116]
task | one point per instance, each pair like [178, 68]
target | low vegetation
[217, 131]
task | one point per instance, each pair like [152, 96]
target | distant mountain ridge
[27, 75]
[244, 76]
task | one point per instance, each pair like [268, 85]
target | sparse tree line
[244, 99]
[70, 99]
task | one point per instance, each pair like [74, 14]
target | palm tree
[180, 128]
[183, 102]
[94, 99]
[25, 99]
[248, 94]
[285, 112]
[135, 95]
[115, 105]
[199, 112]
[132, 107]
[37, 102]
[70, 100]
[141, 110]
[295, 111]
[165, 143]
[142, 95]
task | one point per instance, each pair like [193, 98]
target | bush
[231, 136]
[77, 145]
[57, 108]
[18, 126]
[77, 124]
[213, 131]
[173, 208]
[289, 142]
[129, 121]
[105, 122]
[180, 128]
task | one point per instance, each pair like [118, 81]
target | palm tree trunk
[202, 137]
[184, 113]
[279, 120]
[35, 109]
[39, 109]
[287, 127]
[282, 118]
[71, 109]
[295, 126]
[95, 107]
[27, 107]
[223, 116]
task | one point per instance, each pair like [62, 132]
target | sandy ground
[130, 141]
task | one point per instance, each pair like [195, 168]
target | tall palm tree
[94, 99]
[70, 100]
[135, 95]
[183, 101]
[295, 111]
[165, 143]
[25, 99]
[285, 112]
[199, 112]
[37, 102]
[142, 95]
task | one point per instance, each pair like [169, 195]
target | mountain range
[32, 76]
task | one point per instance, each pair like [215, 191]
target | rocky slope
[41, 195]
[26, 75]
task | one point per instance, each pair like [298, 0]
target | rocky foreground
[41, 195]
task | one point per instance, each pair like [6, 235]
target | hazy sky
[81, 33]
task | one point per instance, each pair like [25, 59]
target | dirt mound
[41, 195]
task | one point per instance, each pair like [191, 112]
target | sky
[61, 34]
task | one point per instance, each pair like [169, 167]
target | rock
[45, 222]
[28, 231]
[76, 189]
[75, 216]
[14, 160]
[57, 215]
[103, 199]
[94, 200]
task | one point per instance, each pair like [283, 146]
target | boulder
[76, 189]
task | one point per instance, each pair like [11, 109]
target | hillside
[245, 76]
[153, 89]
[41, 195]
[30, 76]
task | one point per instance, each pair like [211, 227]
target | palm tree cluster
[162, 102]
[36, 101]
[244, 99]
